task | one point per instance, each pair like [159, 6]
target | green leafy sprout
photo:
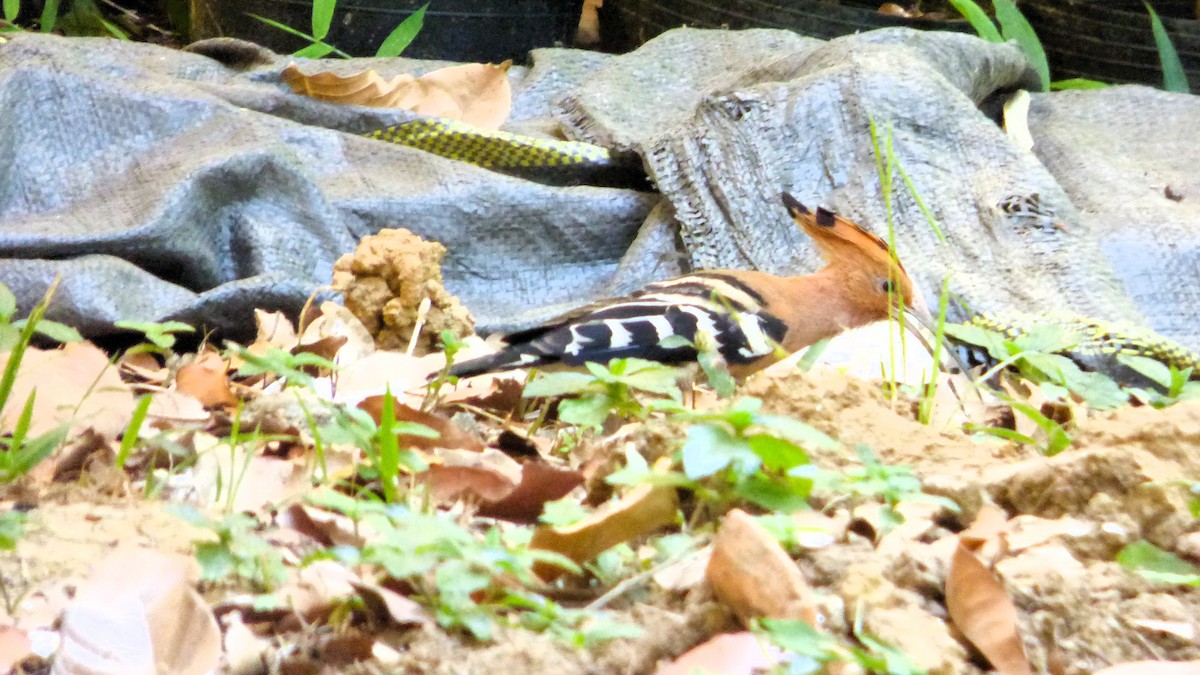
[322, 18]
[616, 389]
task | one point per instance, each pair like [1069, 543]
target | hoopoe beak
[919, 313]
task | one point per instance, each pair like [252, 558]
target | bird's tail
[505, 359]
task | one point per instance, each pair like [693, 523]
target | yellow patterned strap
[490, 149]
[1100, 340]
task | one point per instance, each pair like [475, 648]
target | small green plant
[892, 483]
[1014, 26]
[160, 336]
[579, 628]
[237, 552]
[1174, 77]
[465, 577]
[293, 368]
[749, 455]
[84, 18]
[386, 458]
[322, 18]
[19, 453]
[12, 528]
[1037, 354]
[450, 345]
[1155, 564]
[1173, 385]
[811, 651]
[611, 390]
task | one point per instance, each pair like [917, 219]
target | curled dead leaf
[476, 93]
[728, 654]
[645, 509]
[488, 474]
[541, 482]
[207, 379]
[751, 573]
[138, 613]
[980, 608]
[450, 435]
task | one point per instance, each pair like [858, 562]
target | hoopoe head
[864, 265]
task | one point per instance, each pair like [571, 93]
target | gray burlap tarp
[168, 185]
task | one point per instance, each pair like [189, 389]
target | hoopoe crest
[752, 319]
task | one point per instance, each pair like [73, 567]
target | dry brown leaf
[143, 366]
[499, 393]
[245, 652]
[389, 606]
[982, 610]
[645, 509]
[488, 474]
[138, 613]
[727, 654]
[1181, 629]
[262, 481]
[383, 370]
[175, 410]
[318, 588]
[476, 93]
[15, 647]
[326, 347]
[989, 524]
[207, 379]
[449, 434]
[751, 573]
[1152, 668]
[541, 482]
[335, 319]
[326, 527]
[74, 384]
[686, 573]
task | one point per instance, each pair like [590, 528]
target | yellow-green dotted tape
[1100, 338]
[490, 149]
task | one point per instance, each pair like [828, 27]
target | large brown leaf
[980, 607]
[138, 613]
[75, 384]
[475, 93]
[645, 509]
[751, 573]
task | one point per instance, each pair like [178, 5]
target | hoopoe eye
[887, 286]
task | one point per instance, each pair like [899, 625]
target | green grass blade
[403, 35]
[1014, 26]
[314, 51]
[49, 16]
[979, 20]
[389, 448]
[299, 34]
[1078, 83]
[130, 436]
[113, 29]
[1174, 78]
[11, 9]
[8, 304]
[322, 17]
[18, 351]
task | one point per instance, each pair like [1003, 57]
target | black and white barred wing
[728, 315]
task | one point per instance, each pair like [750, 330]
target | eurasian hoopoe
[752, 319]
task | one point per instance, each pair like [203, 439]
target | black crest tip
[793, 205]
[825, 217]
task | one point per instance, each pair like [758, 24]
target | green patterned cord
[490, 149]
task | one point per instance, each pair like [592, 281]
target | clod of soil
[386, 280]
